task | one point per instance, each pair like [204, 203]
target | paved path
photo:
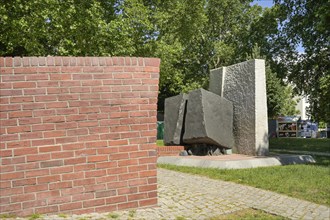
[195, 197]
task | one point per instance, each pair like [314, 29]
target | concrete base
[235, 161]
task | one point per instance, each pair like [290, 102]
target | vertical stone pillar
[245, 85]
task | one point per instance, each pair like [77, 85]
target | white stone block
[244, 84]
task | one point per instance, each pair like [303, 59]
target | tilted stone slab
[173, 119]
[209, 120]
[244, 84]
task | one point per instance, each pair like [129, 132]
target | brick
[69, 154]
[98, 158]
[96, 144]
[48, 179]
[24, 182]
[25, 151]
[10, 122]
[19, 99]
[148, 173]
[128, 205]
[32, 204]
[73, 146]
[20, 114]
[43, 127]
[48, 209]
[56, 105]
[66, 125]
[65, 140]
[85, 152]
[6, 85]
[29, 121]
[6, 153]
[18, 85]
[61, 185]
[10, 208]
[15, 160]
[137, 168]
[82, 197]
[42, 142]
[50, 134]
[53, 163]
[73, 161]
[148, 202]
[83, 182]
[46, 84]
[7, 168]
[128, 176]
[35, 188]
[11, 176]
[95, 188]
[59, 200]
[61, 170]
[18, 129]
[9, 137]
[11, 92]
[94, 202]
[22, 198]
[27, 166]
[138, 196]
[39, 157]
[57, 90]
[41, 91]
[104, 194]
[71, 206]
[94, 137]
[31, 135]
[84, 167]
[33, 106]
[95, 173]
[105, 165]
[75, 132]
[128, 162]
[4, 101]
[72, 176]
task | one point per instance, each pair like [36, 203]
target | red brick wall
[77, 134]
[169, 150]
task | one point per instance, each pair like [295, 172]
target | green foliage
[113, 215]
[303, 23]
[35, 216]
[190, 37]
[280, 97]
[7, 216]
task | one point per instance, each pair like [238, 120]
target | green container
[160, 130]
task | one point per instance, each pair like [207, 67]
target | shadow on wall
[263, 149]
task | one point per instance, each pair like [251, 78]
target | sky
[264, 3]
[268, 4]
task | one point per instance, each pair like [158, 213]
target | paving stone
[176, 189]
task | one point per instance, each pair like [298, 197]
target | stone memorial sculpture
[231, 115]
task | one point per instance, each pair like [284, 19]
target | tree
[196, 36]
[280, 96]
[304, 23]
[75, 28]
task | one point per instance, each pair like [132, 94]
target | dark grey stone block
[173, 119]
[209, 120]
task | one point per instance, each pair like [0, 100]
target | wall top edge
[35, 61]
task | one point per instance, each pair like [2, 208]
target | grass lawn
[160, 143]
[308, 182]
[301, 144]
